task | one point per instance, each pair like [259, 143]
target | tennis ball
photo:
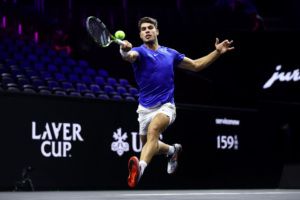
[120, 34]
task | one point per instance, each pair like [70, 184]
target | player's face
[148, 33]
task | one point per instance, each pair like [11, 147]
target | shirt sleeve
[178, 57]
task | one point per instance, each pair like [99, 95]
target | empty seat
[30, 73]
[60, 76]
[89, 95]
[73, 78]
[45, 92]
[124, 82]
[45, 75]
[29, 90]
[60, 93]
[112, 81]
[91, 72]
[109, 90]
[32, 58]
[53, 85]
[86, 79]
[70, 62]
[103, 73]
[37, 82]
[75, 94]
[7, 79]
[100, 80]
[130, 98]
[117, 97]
[68, 86]
[122, 91]
[45, 59]
[78, 70]
[58, 61]
[22, 81]
[103, 96]
[133, 91]
[82, 87]
[95, 89]
[83, 63]
[13, 89]
[65, 69]
[52, 68]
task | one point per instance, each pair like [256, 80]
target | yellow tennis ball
[120, 34]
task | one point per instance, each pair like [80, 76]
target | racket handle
[119, 42]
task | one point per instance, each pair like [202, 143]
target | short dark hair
[147, 20]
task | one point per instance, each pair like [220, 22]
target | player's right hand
[127, 46]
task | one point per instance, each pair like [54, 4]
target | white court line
[212, 193]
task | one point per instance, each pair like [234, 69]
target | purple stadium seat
[78, 70]
[109, 90]
[124, 82]
[75, 94]
[129, 98]
[91, 72]
[82, 87]
[45, 92]
[83, 64]
[86, 79]
[133, 91]
[96, 89]
[112, 81]
[73, 78]
[103, 96]
[117, 97]
[66, 69]
[103, 73]
[52, 68]
[100, 80]
[59, 76]
[89, 95]
[68, 86]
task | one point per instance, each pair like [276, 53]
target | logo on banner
[120, 145]
[56, 138]
[282, 76]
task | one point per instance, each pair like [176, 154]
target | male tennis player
[153, 68]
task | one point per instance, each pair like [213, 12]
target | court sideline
[262, 194]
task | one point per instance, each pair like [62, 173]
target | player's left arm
[203, 62]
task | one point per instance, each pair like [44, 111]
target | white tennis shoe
[173, 160]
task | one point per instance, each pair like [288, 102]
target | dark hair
[147, 20]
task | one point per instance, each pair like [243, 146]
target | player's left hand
[224, 46]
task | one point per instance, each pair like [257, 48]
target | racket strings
[99, 32]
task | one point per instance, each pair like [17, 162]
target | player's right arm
[127, 53]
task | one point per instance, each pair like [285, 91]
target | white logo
[120, 146]
[282, 76]
[57, 138]
[233, 122]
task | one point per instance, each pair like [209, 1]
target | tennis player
[153, 67]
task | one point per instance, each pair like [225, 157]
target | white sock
[171, 150]
[143, 166]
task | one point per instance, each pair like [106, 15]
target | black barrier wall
[69, 143]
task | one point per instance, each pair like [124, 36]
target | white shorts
[147, 114]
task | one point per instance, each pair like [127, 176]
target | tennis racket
[100, 34]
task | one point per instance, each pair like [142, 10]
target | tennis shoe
[173, 160]
[134, 171]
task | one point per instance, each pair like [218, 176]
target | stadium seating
[37, 69]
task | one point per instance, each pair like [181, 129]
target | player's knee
[154, 130]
